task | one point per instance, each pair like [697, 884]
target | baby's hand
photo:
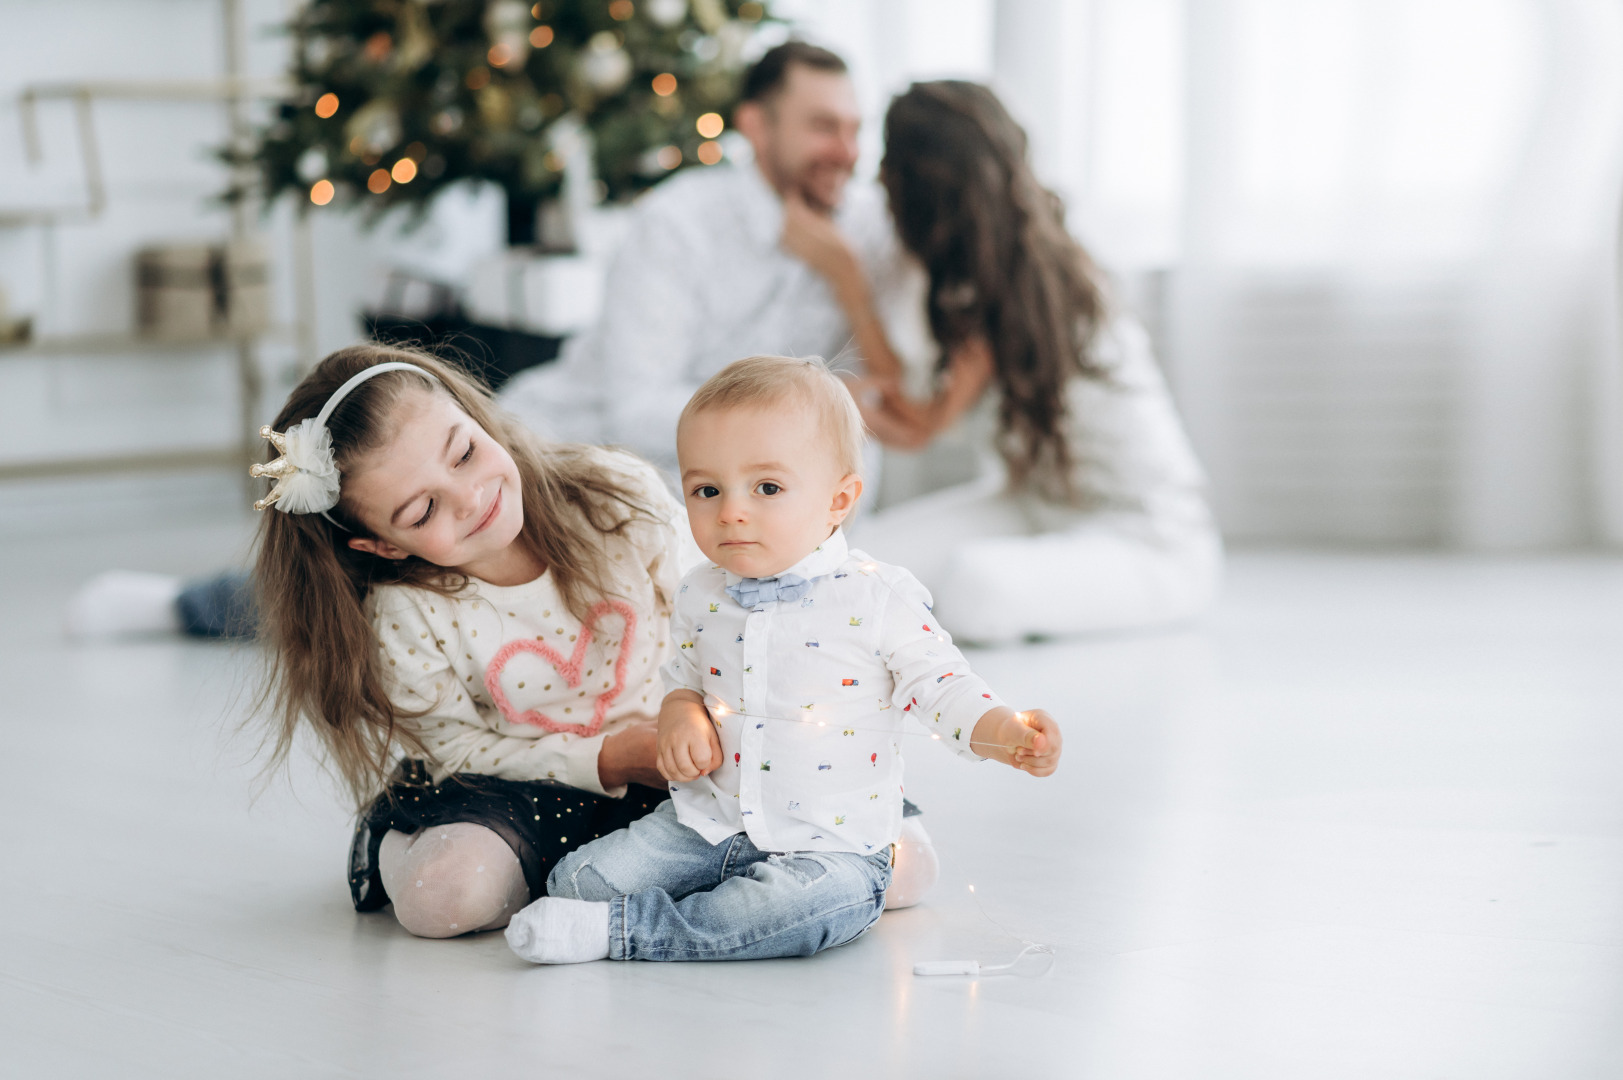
[1037, 742]
[688, 745]
[1029, 741]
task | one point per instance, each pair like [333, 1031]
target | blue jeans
[219, 606]
[673, 895]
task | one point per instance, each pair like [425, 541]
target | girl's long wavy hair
[1001, 264]
[323, 659]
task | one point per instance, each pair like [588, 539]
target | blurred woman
[1096, 519]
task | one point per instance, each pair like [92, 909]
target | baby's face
[763, 485]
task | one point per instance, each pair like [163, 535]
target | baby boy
[798, 659]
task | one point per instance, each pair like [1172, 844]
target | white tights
[451, 879]
[462, 878]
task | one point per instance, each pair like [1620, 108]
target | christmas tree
[396, 99]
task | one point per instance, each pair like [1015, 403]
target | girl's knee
[451, 880]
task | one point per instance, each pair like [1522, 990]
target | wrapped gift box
[175, 292]
[187, 292]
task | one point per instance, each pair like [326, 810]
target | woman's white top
[514, 685]
[1129, 450]
[808, 696]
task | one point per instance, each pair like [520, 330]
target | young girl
[471, 621]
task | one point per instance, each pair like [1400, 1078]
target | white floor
[1366, 824]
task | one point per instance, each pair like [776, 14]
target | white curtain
[1381, 238]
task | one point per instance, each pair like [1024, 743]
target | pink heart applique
[570, 669]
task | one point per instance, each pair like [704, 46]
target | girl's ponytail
[322, 658]
[321, 653]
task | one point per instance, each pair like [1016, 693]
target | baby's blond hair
[770, 380]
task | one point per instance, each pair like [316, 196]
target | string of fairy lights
[720, 708]
[868, 569]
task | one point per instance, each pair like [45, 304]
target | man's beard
[802, 183]
[819, 199]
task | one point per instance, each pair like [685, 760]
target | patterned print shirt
[809, 697]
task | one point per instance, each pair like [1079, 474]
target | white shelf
[78, 344]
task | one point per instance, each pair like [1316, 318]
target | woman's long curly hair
[324, 665]
[1001, 264]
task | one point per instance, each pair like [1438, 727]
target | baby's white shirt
[808, 697]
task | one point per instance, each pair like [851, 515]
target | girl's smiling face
[763, 485]
[442, 489]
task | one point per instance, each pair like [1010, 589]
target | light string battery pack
[976, 968]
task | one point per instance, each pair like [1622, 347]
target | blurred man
[703, 278]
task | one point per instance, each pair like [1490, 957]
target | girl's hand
[628, 756]
[688, 745]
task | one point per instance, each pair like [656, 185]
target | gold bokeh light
[710, 125]
[321, 192]
[665, 84]
[326, 105]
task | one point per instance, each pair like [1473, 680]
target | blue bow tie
[752, 592]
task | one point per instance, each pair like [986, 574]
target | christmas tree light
[402, 100]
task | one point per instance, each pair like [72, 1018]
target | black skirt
[541, 820]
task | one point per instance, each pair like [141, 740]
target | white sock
[124, 602]
[558, 931]
[916, 869]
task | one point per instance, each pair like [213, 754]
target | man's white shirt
[809, 698]
[699, 281]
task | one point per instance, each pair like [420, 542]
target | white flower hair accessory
[306, 475]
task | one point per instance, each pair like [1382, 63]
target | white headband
[306, 475]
